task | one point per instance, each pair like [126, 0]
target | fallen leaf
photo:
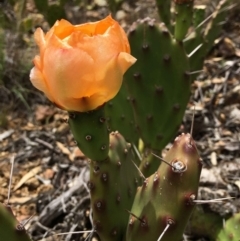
[27, 176]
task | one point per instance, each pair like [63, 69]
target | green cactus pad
[167, 197]
[158, 84]
[231, 229]
[10, 229]
[120, 117]
[204, 223]
[90, 132]
[113, 185]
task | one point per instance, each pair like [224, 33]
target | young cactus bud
[184, 13]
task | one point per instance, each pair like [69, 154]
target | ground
[49, 182]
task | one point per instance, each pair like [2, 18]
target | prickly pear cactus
[113, 185]
[167, 197]
[158, 84]
[10, 229]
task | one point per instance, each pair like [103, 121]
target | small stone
[120, 15]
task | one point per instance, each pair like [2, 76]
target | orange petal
[69, 72]
[108, 81]
[84, 104]
[63, 29]
[100, 47]
[125, 60]
[40, 38]
[103, 25]
[37, 62]
[54, 41]
[38, 81]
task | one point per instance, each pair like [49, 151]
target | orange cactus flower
[80, 67]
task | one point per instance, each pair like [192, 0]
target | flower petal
[63, 29]
[38, 81]
[39, 38]
[69, 72]
[125, 61]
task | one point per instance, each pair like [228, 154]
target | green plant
[205, 223]
[133, 196]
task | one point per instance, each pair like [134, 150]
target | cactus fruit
[90, 132]
[156, 83]
[113, 185]
[10, 229]
[167, 197]
[183, 18]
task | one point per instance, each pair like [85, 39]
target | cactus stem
[195, 50]
[169, 223]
